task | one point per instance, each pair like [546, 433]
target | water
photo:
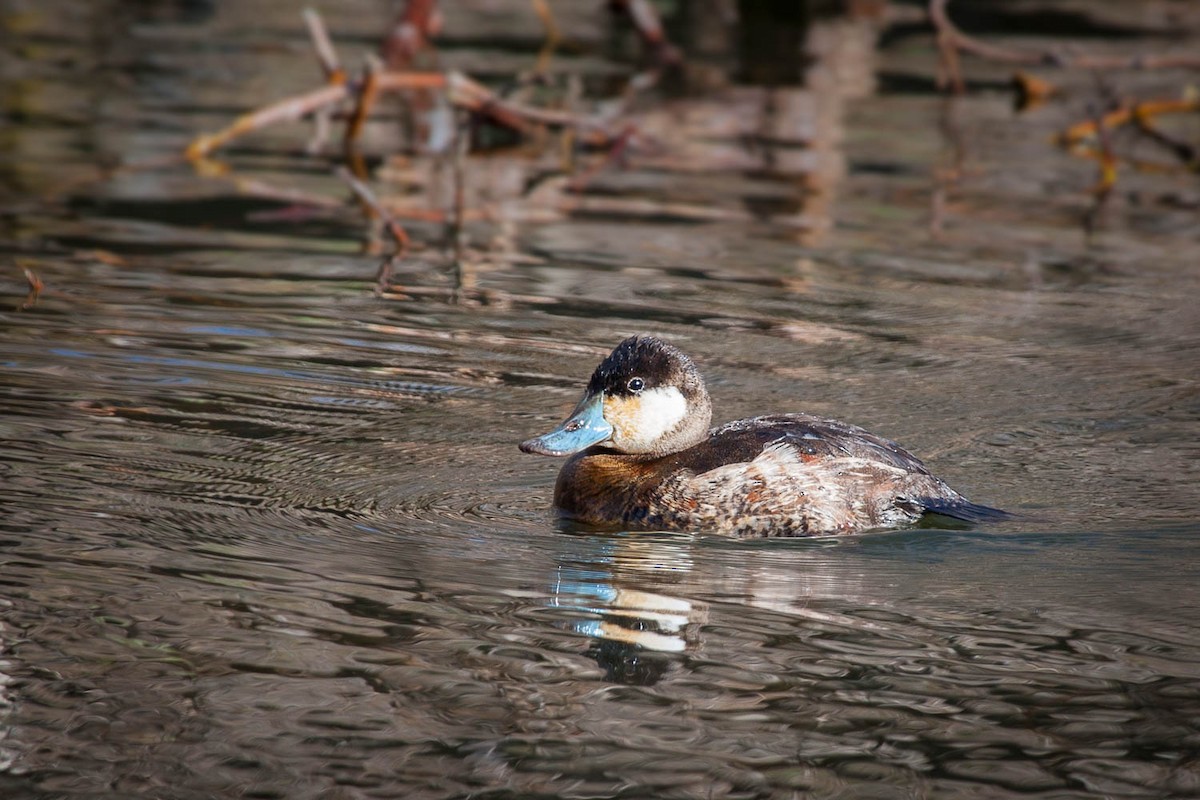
[267, 534]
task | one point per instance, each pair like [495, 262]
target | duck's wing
[815, 437]
[783, 491]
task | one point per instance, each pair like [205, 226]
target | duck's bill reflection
[585, 427]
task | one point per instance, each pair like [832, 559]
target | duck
[642, 457]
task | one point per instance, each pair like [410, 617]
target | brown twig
[293, 108]
[286, 110]
[553, 37]
[364, 102]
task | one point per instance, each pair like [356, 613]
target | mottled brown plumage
[781, 475]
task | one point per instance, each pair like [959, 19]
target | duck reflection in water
[644, 459]
[636, 628]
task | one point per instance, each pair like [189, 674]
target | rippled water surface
[267, 534]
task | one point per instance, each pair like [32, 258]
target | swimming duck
[643, 458]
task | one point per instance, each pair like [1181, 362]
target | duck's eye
[636, 384]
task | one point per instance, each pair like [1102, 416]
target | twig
[326, 55]
[363, 104]
[553, 37]
[334, 74]
[293, 108]
[286, 110]
[1182, 150]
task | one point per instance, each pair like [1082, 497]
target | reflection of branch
[476, 97]
[947, 179]
[1140, 113]
[1102, 191]
[1185, 152]
[376, 210]
[951, 40]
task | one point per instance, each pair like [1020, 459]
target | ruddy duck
[644, 459]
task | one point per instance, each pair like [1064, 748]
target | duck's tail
[959, 508]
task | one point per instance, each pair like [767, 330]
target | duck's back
[782, 475]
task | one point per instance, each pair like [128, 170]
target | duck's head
[646, 398]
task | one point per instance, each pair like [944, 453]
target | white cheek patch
[647, 418]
